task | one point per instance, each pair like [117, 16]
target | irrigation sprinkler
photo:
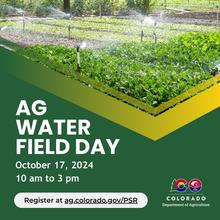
[142, 35]
[217, 14]
[216, 70]
[23, 23]
[78, 64]
[155, 37]
[69, 32]
[155, 33]
[142, 30]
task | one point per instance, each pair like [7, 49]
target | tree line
[83, 7]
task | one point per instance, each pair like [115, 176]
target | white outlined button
[81, 200]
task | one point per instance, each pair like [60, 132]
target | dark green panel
[140, 165]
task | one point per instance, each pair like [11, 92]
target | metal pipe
[23, 23]
[69, 32]
[155, 37]
[155, 33]
[142, 35]
[142, 30]
[216, 70]
[78, 67]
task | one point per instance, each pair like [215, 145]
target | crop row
[151, 73]
[83, 29]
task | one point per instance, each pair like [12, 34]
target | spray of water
[4, 28]
[11, 11]
[56, 13]
[83, 45]
[148, 21]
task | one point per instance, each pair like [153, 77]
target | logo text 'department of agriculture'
[186, 193]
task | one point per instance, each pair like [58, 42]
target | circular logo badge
[195, 185]
[181, 185]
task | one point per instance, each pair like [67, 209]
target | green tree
[131, 4]
[14, 3]
[116, 6]
[78, 7]
[143, 6]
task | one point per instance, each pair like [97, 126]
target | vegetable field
[152, 62]
[96, 30]
[151, 73]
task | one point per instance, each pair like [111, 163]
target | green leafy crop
[151, 73]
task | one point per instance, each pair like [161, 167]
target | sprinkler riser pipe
[217, 14]
[69, 29]
[215, 70]
[23, 25]
[78, 58]
[78, 67]
[142, 35]
[155, 37]
[142, 31]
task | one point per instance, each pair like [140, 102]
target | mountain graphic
[173, 186]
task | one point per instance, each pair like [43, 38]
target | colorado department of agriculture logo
[181, 185]
[184, 193]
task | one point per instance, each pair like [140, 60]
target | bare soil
[189, 17]
[28, 39]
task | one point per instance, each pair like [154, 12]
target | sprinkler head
[23, 24]
[155, 37]
[78, 48]
[215, 70]
[78, 67]
[69, 32]
[142, 35]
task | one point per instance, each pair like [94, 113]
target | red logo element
[195, 185]
[181, 185]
